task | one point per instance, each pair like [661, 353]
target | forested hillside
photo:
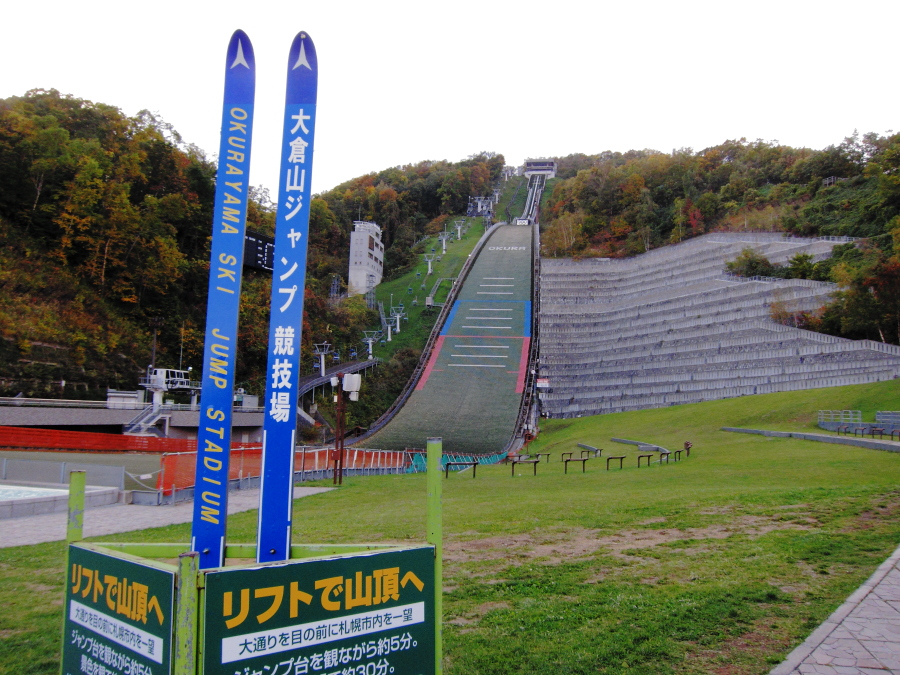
[105, 224]
[615, 204]
[104, 230]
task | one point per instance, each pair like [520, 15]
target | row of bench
[863, 430]
[588, 452]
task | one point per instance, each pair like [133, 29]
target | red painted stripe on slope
[438, 345]
[523, 366]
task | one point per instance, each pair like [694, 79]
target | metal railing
[42, 471]
[528, 398]
[62, 403]
[840, 416]
[144, 420]
[729, 276]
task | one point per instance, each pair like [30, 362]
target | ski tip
[303, 54]
[303, 70]
[240, 52]
[240, 70]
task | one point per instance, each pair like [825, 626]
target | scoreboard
[259, 251]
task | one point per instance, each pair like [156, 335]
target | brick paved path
[862, 637]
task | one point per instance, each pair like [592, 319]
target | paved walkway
[862, 637]
[121, 518]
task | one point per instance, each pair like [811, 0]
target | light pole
[351, 383]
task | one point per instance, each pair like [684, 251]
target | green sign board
[365, 614]
[118, 617]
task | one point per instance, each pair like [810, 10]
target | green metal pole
[435, 535]
[75, 523]
[187, 615]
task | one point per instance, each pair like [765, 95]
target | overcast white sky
[404, 81]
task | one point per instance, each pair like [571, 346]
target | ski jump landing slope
[471, 388]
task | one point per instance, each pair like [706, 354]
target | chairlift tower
[370, 337]
[370, 291]
[334, 294]
[444, 236]
[429, 257]
[322, 350]
[459, 225]
[397, 313]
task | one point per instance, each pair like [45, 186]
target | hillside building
[366, 258]
[541, 167]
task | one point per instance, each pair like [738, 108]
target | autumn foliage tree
[105, 223]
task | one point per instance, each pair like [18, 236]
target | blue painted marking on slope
[450, 317]
[527, 330]
[509, 302]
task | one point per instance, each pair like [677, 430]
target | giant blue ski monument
[277, 608]
[225, 267]
[288, 286]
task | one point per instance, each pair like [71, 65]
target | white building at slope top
[366, 257]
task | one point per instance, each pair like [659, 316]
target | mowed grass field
[720, 563]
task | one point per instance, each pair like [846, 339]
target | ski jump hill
[664, 328]
[471, 386]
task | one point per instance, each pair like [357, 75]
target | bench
[583, 461]
[562, 456]
[449, 464]
[895, 431]
[542, 454]
[862, 430]
[845, 428]
[648, 459]
[879, 430]
[621, 458]
[513, 461]
[597, 452]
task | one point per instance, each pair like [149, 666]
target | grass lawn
[720, 563]
[512, 199]
[414, 332]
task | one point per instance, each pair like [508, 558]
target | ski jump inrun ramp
[471, 388]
